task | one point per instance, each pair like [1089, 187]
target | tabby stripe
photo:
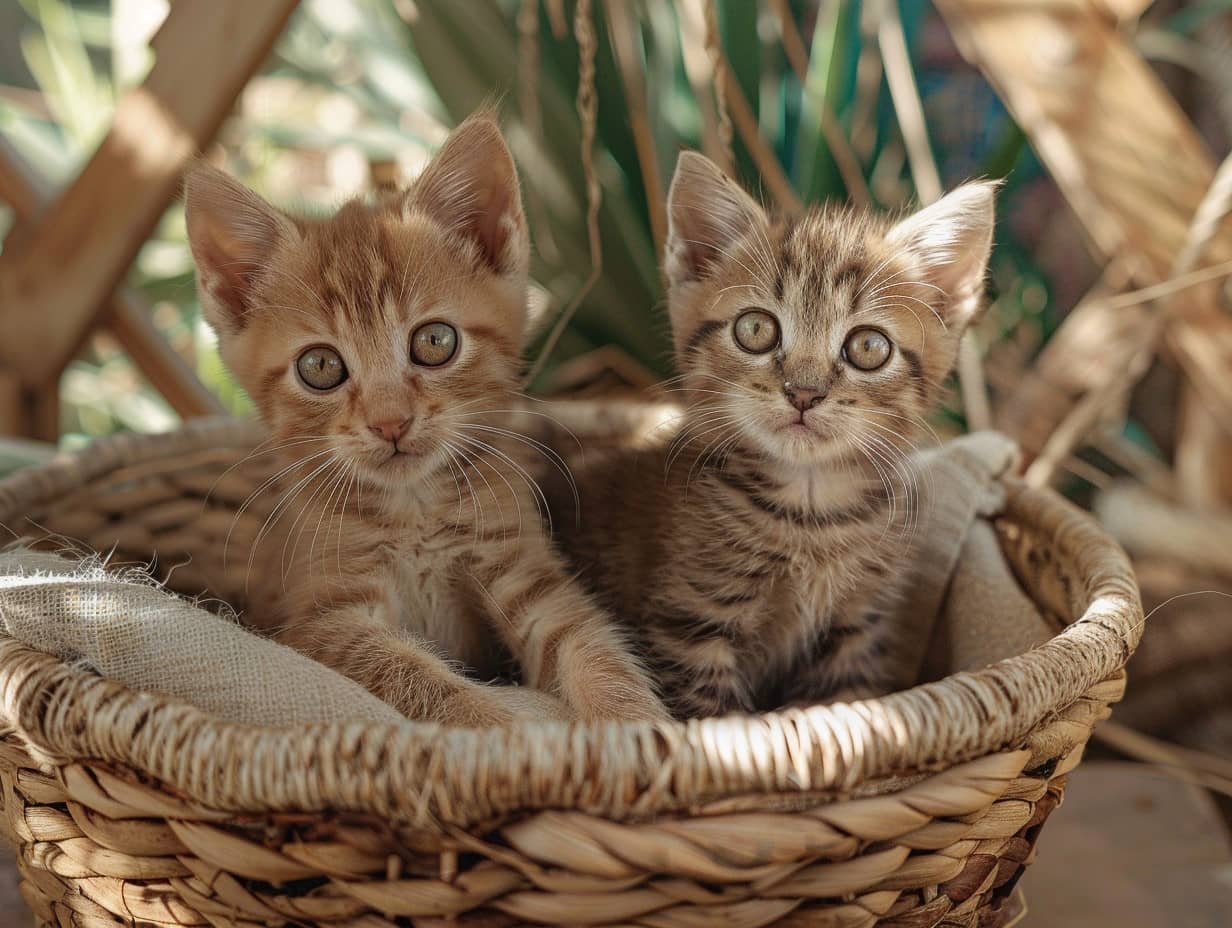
[832, 518]
[721, 599]
[691, 627]
[700, 334]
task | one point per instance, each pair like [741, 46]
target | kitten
[382, 348]
[757, 556]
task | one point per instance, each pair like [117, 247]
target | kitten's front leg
[852, 661]
[707, 670]
[407, 673]
[563, 641]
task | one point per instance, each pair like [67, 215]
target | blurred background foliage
[359, 92]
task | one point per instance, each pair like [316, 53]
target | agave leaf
[469, 51]
[831, 60]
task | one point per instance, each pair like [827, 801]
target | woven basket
[917, 809]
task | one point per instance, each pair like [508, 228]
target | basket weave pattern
[917, 809]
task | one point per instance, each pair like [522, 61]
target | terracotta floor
[1130, 848]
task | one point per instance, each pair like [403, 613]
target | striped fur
[412, 561]
[757, 555]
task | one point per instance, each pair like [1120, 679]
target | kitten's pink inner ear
[471, 188]
[952, 240]
[708, 214]
[233, 233]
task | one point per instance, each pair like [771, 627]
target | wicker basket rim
[430, 776]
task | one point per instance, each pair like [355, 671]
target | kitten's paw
[846, 694]
[535, 705]
[501, 706]
[623, 708]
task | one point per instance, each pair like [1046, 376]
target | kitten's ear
[707, 213]
[232, 232]
[952, 239]
[471, 188]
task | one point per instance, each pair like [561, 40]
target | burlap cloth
[964, 609]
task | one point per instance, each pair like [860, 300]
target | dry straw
[916, 809]
[588, 117]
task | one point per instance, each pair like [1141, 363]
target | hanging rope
[588, 117]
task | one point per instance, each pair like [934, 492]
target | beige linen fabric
[127, 628]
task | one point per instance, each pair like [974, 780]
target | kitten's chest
[433, 599]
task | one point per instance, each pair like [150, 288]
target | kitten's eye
[867, 349]
[757, 331]
[321, 368]
[433, 344]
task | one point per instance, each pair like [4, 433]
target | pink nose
[805, 397]
[390, 430]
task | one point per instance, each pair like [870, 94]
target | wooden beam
[26, 413]
[129, 320]
[12, 405]
[127, 315]
[55, 282]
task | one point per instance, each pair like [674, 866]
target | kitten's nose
[391, 429]
[804, 398]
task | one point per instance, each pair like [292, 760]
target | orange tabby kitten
[382, 346]
[757, 557]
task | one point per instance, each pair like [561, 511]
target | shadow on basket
[160, 763]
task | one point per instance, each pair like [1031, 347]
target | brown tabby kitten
[756, 557]
[382, 348]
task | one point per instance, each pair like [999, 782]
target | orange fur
[414, 549]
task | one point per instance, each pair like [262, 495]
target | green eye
[433, 344]
[756, 331]
[321, 368]
[867, 349]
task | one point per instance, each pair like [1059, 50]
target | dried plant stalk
[700, 71]
[588, 116]
[1078, 423]
[910, 114]
[733, 103]
[1135, 171]
[532, 119]
[844, 158]
[718, 67]
[557, 18]
[621, 27]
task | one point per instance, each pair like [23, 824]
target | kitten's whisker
[901, 464]
[541, 500]
[261, 488]
[874, 458]
[297, 524]
[762, 277]
[547, 452]
[449, 461]
[691, 435]
[872, 275]
[884, 304]
[260, 451]
[479, 459]
[463, 460]
[517, 504]
[275, 516]
[761, 258]
[326, 507]
[342, 509]
[335, 488]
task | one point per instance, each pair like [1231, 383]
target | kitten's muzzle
[804, 398]
[391, 430]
